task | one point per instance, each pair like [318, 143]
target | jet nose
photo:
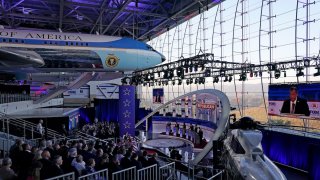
[163, 58]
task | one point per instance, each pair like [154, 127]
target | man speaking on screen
[295, 105]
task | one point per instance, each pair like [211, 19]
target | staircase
[79, 82]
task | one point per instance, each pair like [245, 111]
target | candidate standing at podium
[295, 105]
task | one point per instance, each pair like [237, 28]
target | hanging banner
[127, 110]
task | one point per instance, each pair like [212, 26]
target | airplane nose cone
[163, 58]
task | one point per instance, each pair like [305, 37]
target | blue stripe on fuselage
[125, 43]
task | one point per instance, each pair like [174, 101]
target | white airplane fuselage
[52, 51]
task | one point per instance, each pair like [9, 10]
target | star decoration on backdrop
[126, 103]
[126, 114]
[126, 92]
[126, 125]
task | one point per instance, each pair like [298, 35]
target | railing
[8, 98]
[192, 172]
[69, 176]
[8, 121]
[125, 174]
[147, 173]
[167, 172]
[99, 175]
[217, 176]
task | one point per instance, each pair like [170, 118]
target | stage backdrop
[127, 110]
[279, 93]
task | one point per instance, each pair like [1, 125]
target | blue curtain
[297, 151]
[86, 116]
[106, 109]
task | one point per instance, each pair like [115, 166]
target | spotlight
[318, 71]
[243, 77]
[196, 68]
[159, 74]
[300, 72]
[207, 73]
[166, 75]
[216, 79]
[202, 80]
[180, 72]
[173, 82]
[188, 81]
[230, 78]
[190, 69]
[179, 82]
[196, 81]
[284, 73]
[260, 74]
[277, 74]
[191, 81]
[251, 74]
[256, 74]
[306, 63]
[202, 67]
[225, 79]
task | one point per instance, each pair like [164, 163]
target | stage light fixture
[173, 82]
[255, 74]
[191, 81]
[202, 80]
[196, 81]
[251, 74]
[207, 73]
[277, 74]
[159, 74]
[195, 68]
[179, 82]
[318, 72]
[225, 79]
[260, 74]
[180, 72]
[300, 72]
[188, 81]
[230, 78]
[190, 68]
[216, 79]
[284, 73]
[306, 63]
[243, 76]
[202, 67]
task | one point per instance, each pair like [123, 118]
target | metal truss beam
[124, 5]
[61, 13]
[169, 18]
[102, 10]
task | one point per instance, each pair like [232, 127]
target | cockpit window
[150, 48]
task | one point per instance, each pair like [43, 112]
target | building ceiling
[141, 19]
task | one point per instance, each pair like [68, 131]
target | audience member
[90, 166]
[135, 162]
[6, 173]
[56, 169]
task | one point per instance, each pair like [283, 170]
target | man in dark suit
[25, 161]
[295, 105]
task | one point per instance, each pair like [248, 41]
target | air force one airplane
[41, 56]
[64, 52]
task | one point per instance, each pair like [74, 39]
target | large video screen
[157, 96]
[295, 99]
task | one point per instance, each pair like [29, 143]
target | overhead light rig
[195, 69]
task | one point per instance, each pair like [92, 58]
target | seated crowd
[102, 130]
[53, 159]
